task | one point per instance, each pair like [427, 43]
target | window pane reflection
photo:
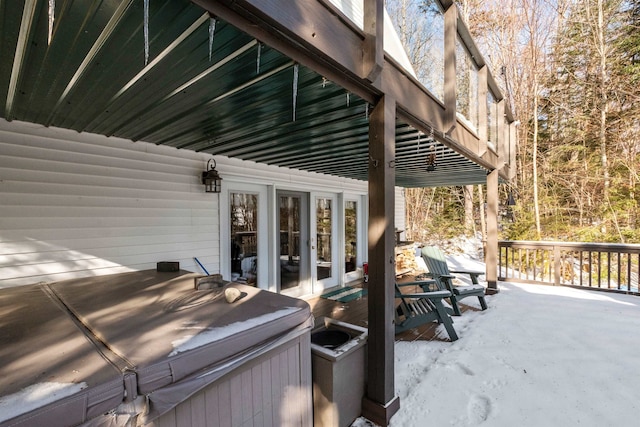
[466, 85]
[350, 235]
[323, 235]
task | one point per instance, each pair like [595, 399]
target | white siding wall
[76, 205]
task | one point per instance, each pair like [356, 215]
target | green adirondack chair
[419, 308]
[439, 271]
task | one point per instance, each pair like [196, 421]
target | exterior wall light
[211, 179]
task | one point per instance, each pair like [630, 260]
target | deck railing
[601, 266]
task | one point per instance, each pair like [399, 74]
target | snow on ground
[539, 356]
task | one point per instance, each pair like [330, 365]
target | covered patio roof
[293, 84]
[192, 86]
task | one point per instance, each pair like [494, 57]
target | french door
[307, 242]
[290, 241]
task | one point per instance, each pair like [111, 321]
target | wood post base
[378, 413]
[492, 288]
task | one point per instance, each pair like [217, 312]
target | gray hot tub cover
[51, 374]
[169, 332]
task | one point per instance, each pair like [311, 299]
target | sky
[539, 356]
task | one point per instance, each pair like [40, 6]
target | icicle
[324, 82]
[418, 150]
[212, 31]
[52, 17]
[258, 59]
[295, 89]
[146, 32]
[366, 111]
[432, 157]
[348, 99]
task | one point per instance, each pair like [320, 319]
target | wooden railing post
[556, 265]
[491, 257]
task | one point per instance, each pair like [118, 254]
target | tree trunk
[469, 223]
[483, 221]
[602, 49]
[534, 149]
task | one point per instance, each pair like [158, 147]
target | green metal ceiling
[245, 101]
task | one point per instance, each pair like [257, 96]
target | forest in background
[570, 70]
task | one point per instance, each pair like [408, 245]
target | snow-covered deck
[540, 355]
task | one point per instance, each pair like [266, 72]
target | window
[420, 27]
[466, 86]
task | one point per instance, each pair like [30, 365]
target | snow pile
[467, 247]
[462, 253]
[209, 335]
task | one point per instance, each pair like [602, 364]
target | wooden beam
[373, 59]
[308, 33]
[450, 35]
[414, 103]
[380, 401]
[26, 26]
[482, 111]
[491, 257]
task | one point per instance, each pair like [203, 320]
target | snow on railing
[601, 266]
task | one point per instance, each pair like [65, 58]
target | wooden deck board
[356, 312]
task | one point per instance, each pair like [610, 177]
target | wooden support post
[491, 257]
[380, 401]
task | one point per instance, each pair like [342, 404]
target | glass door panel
[290, 229]
[350, 235]
[244, 237]
[325, 245]
[293, 243]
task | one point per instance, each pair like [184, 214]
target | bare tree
[570, 70]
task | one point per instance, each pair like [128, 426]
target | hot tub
[179, 344]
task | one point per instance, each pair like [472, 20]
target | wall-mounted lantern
[211, 179]
[507, 209]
